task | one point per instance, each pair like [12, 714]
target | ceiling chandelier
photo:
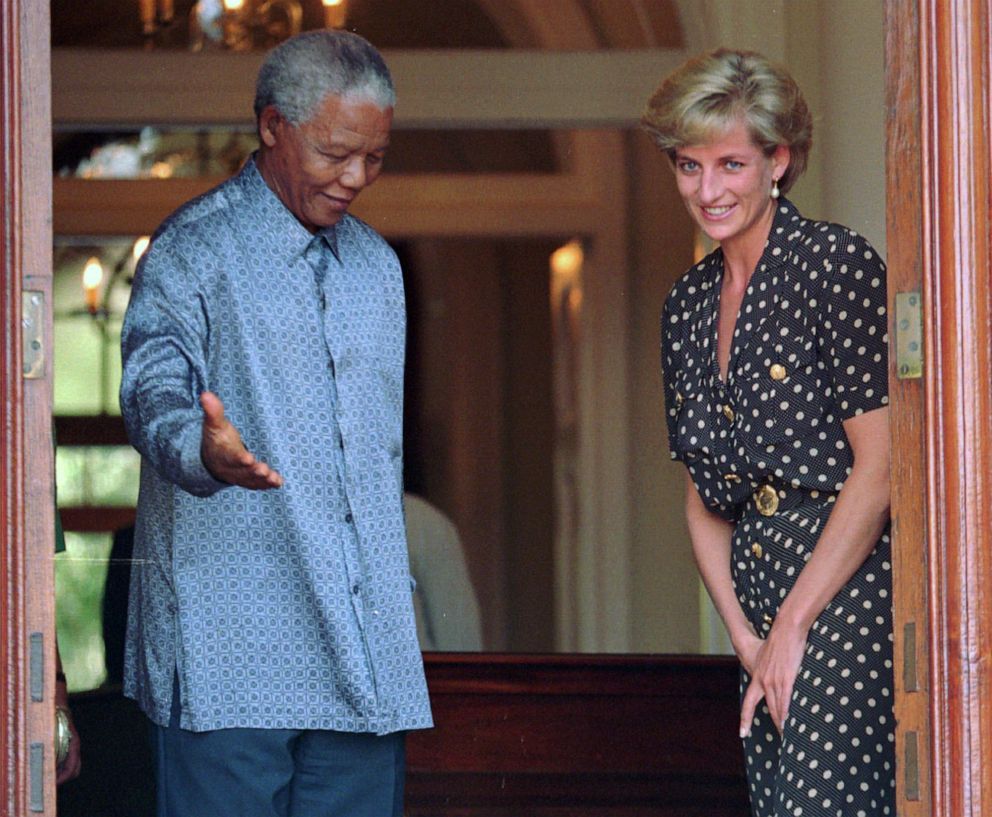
[237, 25]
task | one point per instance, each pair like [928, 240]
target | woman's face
[726, 185]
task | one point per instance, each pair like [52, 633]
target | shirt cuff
[195, 477]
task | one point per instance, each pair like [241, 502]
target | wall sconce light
[92, 279]
[335, 13]
[566, 274]
[140, 245]
[155, 14]
[96, 295]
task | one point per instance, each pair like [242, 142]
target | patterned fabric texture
[289, 608]
[808, 352]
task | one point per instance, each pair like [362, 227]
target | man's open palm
[225, 455]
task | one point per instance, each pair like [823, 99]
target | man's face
[319, 167]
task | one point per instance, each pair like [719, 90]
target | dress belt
[773, 498]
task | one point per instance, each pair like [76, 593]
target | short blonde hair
[705, 96]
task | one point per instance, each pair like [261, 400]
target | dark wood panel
[95, 519]
[98, 429]
[578, 735]
[516, 736]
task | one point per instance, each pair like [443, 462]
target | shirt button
[757, 550]
[777, 371]
[356, 589]
[348, 518]
[732, 477]
[728, 412]
[767, 618]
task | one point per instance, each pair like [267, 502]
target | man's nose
[354, 175]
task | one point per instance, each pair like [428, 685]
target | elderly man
[271, 638]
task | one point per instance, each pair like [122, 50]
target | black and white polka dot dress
[767, 451]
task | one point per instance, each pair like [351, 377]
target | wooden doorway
[939, 164]
[27, 783]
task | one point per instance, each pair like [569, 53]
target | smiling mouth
[717, 212]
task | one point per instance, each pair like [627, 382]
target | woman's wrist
[796, 621]
[740, 639]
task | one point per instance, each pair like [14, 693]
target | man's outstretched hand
[225, 455]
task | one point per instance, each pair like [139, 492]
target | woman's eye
[734, 165]
[687, 166]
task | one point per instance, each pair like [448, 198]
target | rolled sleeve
[164, 371]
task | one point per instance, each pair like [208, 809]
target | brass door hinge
[909, 335]
[33, 325]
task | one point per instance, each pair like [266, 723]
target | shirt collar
[274, 215]
[782, 235]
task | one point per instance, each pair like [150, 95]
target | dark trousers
[277, 772]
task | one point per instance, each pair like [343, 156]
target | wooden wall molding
[446, 89]
[11, 419]
[26, 576]
[955, 54]
[904, 165]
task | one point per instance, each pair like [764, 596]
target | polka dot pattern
[809, 351]
[836, 755]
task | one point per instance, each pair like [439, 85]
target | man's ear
[269, 121]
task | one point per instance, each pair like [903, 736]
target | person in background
[775, 375]
[444, 600]
[271, 636]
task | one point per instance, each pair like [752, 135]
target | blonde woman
[775, 368]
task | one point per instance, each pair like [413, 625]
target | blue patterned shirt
[288, 608]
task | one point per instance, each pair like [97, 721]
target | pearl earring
[775, 190]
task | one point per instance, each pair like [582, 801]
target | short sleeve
[670, 363]
[854, 321]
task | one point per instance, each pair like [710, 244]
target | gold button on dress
[767, 500]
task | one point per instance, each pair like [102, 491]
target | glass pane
[91, 291]
[80, 575]
[97, 476]
[151, 153]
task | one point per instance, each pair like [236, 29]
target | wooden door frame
[939, 209]
[27, 783]
[939, 164]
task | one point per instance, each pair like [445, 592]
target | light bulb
[92, 278]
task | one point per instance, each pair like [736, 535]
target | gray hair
[707, 94]
[301, 72]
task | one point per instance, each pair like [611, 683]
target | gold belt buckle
[766, 498]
